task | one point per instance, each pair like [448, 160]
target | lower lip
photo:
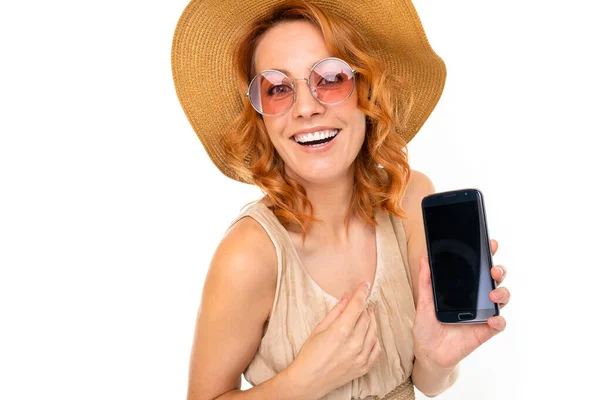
[320, 148]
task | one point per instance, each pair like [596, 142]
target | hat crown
[203, 53]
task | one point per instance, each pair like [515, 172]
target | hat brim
[204, 70]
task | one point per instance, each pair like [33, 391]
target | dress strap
[400, 233]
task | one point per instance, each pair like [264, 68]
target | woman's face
[294, 47]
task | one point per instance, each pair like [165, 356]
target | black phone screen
[459, 256]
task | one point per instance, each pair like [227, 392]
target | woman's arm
[237, 297]
[439, 347]
[281, 386]
[430, 379]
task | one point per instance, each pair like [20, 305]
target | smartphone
[460, 257]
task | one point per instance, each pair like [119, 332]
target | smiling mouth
[317, 140]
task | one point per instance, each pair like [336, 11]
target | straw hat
[203, 46]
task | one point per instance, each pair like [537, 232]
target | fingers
[493, 246]
[353, 310]
[363, 325]
[375, 351]
[484, 332]
[497, 323]
[371, 340]
[500, 295]
[498, 273]
[425, 299]
[333, 314]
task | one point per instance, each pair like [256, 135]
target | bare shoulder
[419, 186]
[248, 241]
[245, 264]
[237, 297]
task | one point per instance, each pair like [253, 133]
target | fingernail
[496, 322]
[367, 285]
[501, 270]
[497, 295]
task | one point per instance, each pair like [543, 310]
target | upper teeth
[319, 135]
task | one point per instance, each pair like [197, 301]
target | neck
[330, 201]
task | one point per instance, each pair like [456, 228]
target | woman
[326, 98]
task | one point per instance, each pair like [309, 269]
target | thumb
[425, 300]
[332, 314]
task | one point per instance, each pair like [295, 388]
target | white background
[110, 209]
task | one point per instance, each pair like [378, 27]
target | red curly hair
[381, 170]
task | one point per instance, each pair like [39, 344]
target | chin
[322, 175]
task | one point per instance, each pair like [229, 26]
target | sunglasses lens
[332, 81]
[271, 92]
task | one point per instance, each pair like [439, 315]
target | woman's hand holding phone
[444, 345]
[342, 347]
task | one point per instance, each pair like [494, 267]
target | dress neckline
[327, 295]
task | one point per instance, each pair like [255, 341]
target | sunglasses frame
[312, 91]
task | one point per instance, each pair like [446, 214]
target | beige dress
[300, 304]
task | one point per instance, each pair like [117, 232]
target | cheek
[358, 123]
[359, 126]
[357, 119]
[274, 127]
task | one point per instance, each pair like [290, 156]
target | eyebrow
[288, 73]
[285, 71]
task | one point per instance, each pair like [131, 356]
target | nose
[305, 105]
